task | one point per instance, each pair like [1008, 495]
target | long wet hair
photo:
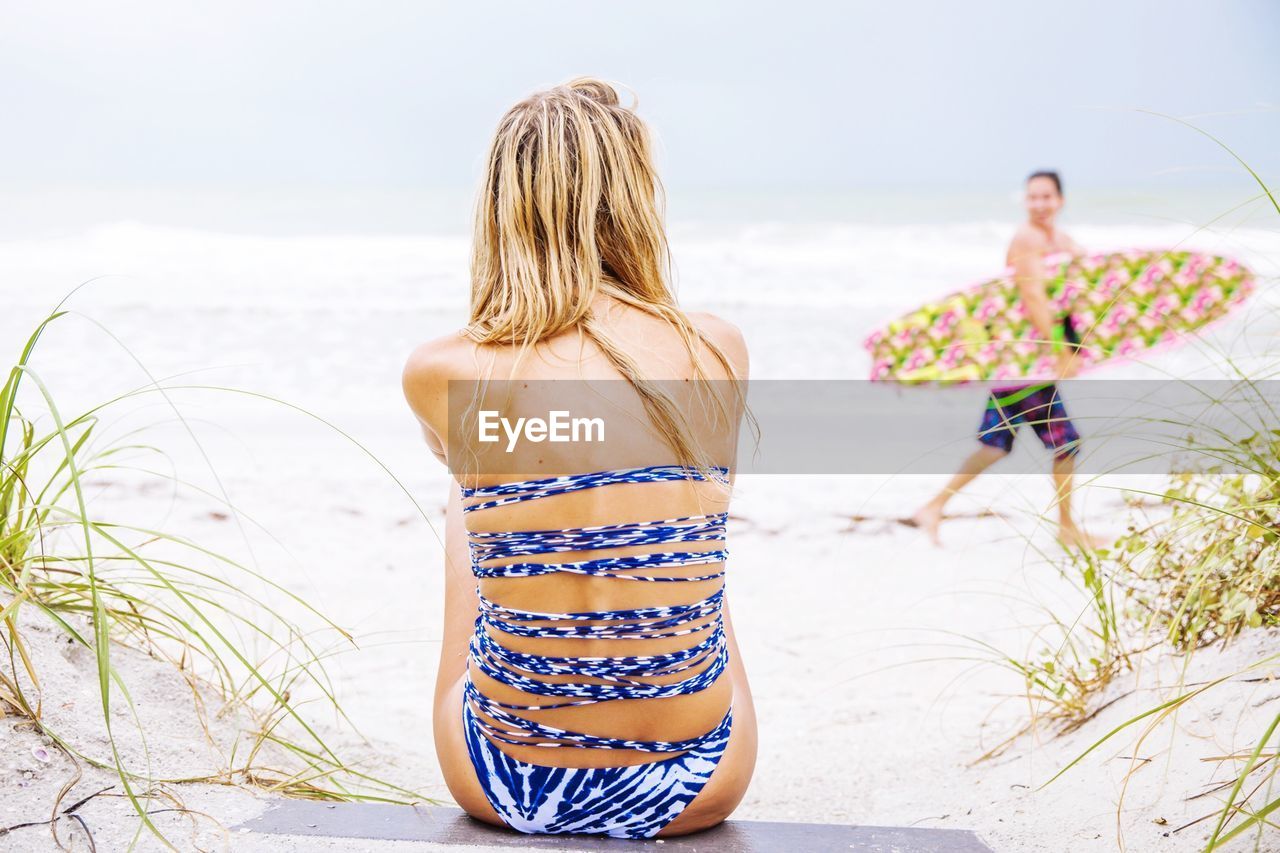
[571, 207]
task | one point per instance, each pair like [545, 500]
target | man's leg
[995, 432]
[1051, 423]
[929, 516]
[1064, 470]
[1070, 534]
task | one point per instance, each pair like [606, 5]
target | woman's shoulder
[715, 326]
[431, 365]
[451, 355]
[725, 335]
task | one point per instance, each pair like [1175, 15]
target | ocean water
[297, 312]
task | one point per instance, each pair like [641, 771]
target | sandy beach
[870, 703]
[864, 644]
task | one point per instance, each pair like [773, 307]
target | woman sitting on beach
[570, 700]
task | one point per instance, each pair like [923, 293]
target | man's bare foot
[1072, 536]
[927, 519]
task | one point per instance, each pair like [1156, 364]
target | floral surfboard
[1117, 304]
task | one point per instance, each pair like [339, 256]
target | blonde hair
[570, 208]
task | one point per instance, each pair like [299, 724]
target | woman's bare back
[659, 353]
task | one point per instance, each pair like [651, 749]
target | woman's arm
[461, 601]
[426, 381]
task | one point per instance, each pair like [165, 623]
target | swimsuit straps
[621, 673]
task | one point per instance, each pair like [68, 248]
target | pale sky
[790, 95]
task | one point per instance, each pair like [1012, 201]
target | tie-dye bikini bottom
[623, 802]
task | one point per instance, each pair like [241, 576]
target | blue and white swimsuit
[626, 802]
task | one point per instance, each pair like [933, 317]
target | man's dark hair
[1047, 173]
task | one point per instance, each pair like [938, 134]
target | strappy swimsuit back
[634, 801]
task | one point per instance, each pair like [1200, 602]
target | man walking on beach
[1039, 405]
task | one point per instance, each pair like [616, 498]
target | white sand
[835, 627]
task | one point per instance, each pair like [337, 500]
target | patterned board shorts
[1041, 408]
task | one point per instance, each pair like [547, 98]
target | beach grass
[1199, 576]
[106, 583]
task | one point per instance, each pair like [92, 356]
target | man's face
[1043, 200]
